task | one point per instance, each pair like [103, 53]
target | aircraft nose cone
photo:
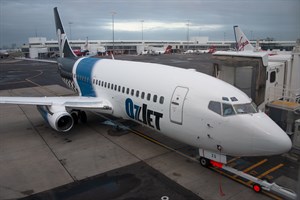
[280, 143]
[271, 140]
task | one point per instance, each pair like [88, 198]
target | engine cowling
[57, 117]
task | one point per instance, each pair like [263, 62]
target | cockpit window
[215, 107]
[225, 99]
[233, 99]
[227, 109]
[245, 108]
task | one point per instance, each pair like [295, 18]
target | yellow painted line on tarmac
[248, 184]
[268, 171]
[162, 145]
[30, 81]
[255, 165]
[233, 159]
[44, 88]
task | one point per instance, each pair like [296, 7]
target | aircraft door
[275, 82]
[176, 106]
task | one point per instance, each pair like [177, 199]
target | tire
[75, 117]
[204, 162]
[82, 117]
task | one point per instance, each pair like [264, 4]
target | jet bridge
[246, 71]
[272, 82]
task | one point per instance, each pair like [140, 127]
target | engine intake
[57, 117]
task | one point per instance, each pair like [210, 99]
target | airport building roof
[40, 45]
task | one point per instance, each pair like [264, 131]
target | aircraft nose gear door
[177, 102]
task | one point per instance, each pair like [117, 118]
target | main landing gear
[79, 115]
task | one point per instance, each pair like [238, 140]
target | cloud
[159, 25]
[163, 19]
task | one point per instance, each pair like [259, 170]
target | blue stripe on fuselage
[84, 76]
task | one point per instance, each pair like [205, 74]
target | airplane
[4, 54]
[163, 51]
[186, 105]
[211, 49]
[81, 52]
[243, 44]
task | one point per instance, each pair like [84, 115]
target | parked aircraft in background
[4, 54]
[243, 44]
[178, 103]
[211, 49]
[159, 51]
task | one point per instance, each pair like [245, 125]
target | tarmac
[96, 161]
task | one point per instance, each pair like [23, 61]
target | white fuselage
[175, 101]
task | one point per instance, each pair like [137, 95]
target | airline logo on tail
[241, 45]
[242, 42]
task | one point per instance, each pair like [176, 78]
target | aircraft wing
[77, 102]
[37, 60]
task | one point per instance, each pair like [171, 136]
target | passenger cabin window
[161, 100]
[148, 96]
[143, 95]
[155, 98]
[127, 91]
[137, 93]
[123, 89]
[215, 107]
[132, 92]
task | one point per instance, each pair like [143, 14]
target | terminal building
[40, 47]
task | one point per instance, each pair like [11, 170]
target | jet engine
[57, 117]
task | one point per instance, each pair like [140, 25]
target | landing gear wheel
[82, 117]
[204, 162]
[75, 117]
[256, 188]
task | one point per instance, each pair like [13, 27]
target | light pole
[113, 29]
[142, 21]
[188, 33]
[70, 27]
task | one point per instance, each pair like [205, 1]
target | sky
[154, 19]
